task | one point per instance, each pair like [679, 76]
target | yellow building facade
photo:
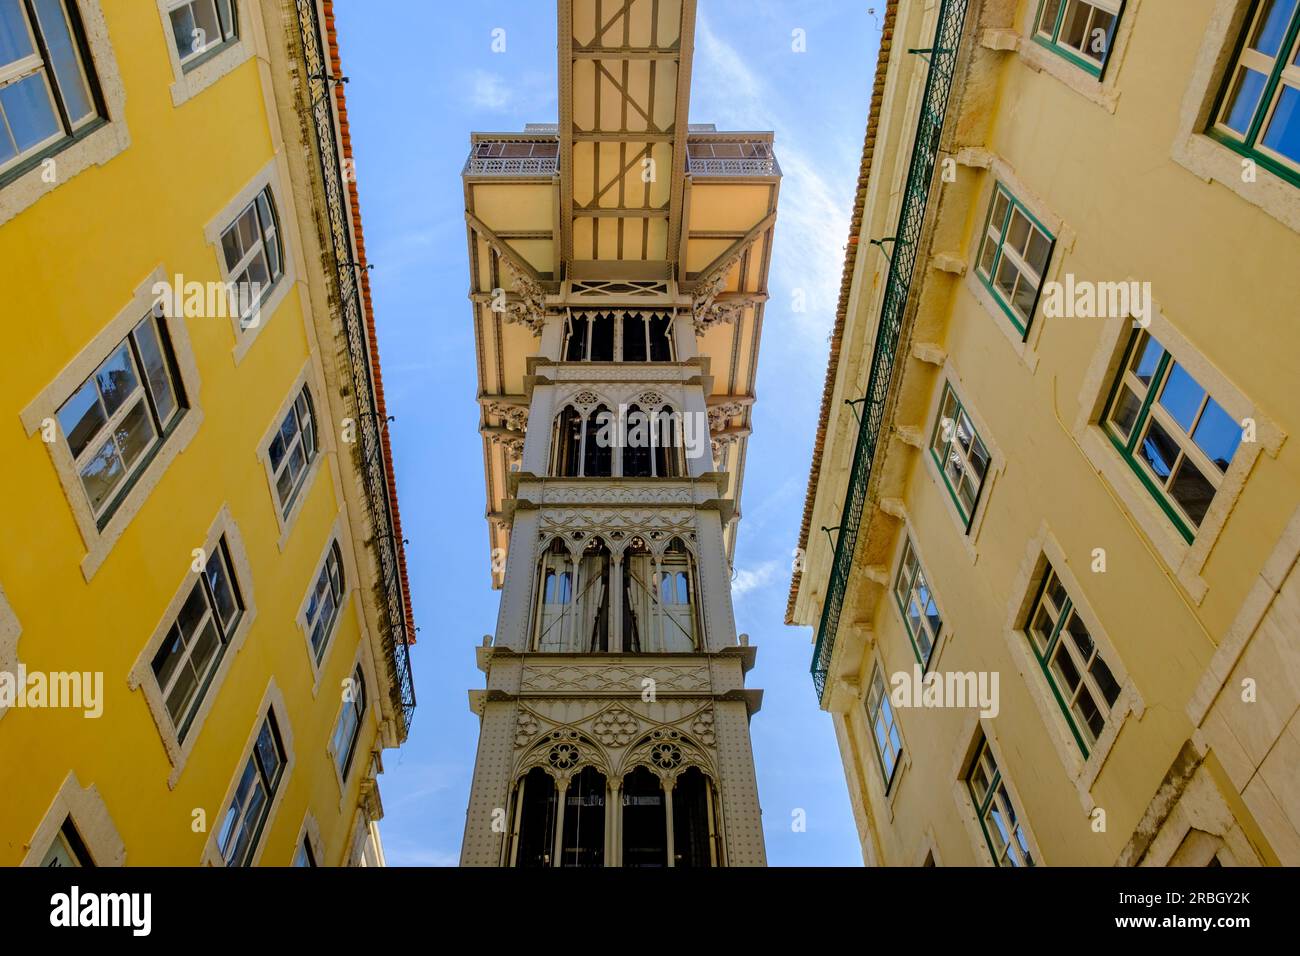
[1049, 544]
[204, 627]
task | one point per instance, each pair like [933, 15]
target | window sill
[194, 78]
[1044, 59]
[1213, 162]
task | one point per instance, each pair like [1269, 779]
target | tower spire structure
[618, 269]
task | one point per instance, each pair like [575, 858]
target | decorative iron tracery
[373, 467]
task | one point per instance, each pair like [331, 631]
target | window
[961, 455]
[916, 602]
[192, 650]
[645, 337]
[1013, 257]
[573, 615]
[67, 850]
[348, 729]
[324, 602]
[120, 416]
[1002, 826]
[305, 857]
[884, 727]
[49, 95]
[241, 827]
[1173, 434]
[251, 246]
[1080, 678]
[1080, 30]
[202, 27]
[292, 451]
[658, 604]
[651, 443]
[1258, 112]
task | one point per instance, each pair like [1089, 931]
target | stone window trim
[371, 716]
[1185, 561]
[99, 544]
[273, 701]
[1104, 90]
[338, 535]
[1002, 173]
[307, 378]
[968, 739]
[89, 814]
[1044, 549]
[10, 630]
[97, 147]
[970, 536]
[141, 676]
[1202, 155]
[888, 791]
[225, 59]
[907, 533]
[310, 834]
[274, 174]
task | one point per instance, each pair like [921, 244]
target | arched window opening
[658, 600]
[584, 820]
[661, 338]
[556, 579]
[576, 336]
[573, 608]
[536, 809]
[642, 337]
[645, 820]
[636, 347]
[602, 338]
[636, 450]
[694, 820]
[668, 443]
[598, 445]
[566, 447]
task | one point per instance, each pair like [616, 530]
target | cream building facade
[618, 264]
[1053, 467]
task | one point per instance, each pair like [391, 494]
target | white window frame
[901, 605]
[271, 176]
[100, 541]
[98, 145]
[194, 74]
[141, 676]
[360, 662]
[272, 702]
[347, 569]
[885, 713]
[307, 381]
[89, 814]
[1020, 851]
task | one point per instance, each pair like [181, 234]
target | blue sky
[423, 76]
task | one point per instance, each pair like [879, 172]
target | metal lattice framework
[916, 199]
[374, 477]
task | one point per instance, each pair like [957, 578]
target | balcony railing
[352, 314]
[734, 158]
[903, 253]
[513, 157]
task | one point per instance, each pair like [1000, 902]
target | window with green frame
[1081, 681]
[1258, 111]
[1177, 438]
[1014, 253]
[1003, 830]
[884, 727]
[1082, 31]
[960, 453]
[921, 616]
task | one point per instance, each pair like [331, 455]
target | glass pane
[986, 257]
[102, 474]
[1243, 99]
[1000, 206]
[1181, 397]
[222, 592]
[268, 752]
[116, 378]
[30, 112]
[284, 486]
[276, 451]
[249, 235]
[228, 24]
[296, 464]
[1007, 275]
[979, 461]
[1074, 30]
[63, 54]
[182, 694]
[1018, 234]
[1065, 668]
[914, 616]
[1040, 247]
[183, 31]
[1192, 491]
[1159, 451]
[1026, 295]
[1103, 22]
[15, 42]
[205, 650]
[1042, 629]
[155, 369]
[1056, 592]
[192, 613]
[81, 417]
[168, 656]
[1217, 435]
[232, 247]
[1125, 412]
[966, 493]
[964, 432]
[206, 24]
[979, 782]
[932, 617]
[1079, 634]
[1147, 359]
[1090, 719]
[1047, 19]
[1283, 134]
[1273, 21]
[135, 433]
[1106, 682]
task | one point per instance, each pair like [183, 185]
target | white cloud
[490, 92]
[748, 579]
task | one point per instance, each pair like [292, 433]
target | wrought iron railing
[379, 506]
[902, 261]
[511, 166]
[733, 167]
